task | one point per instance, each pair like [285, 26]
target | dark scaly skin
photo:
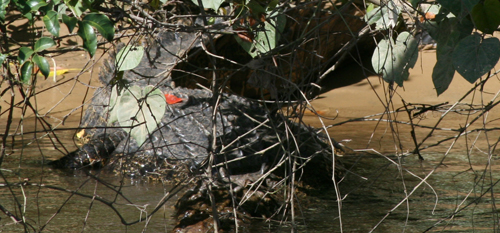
[183, 136]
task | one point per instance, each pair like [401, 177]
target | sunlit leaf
[87, 33]
[51, 22]
[384, 17]
[102, 23]
[129, 57]
[26, 71]
[35, 4]
[212, 4]
[2, 57]
[44, 43]
[3, 5]
[112, 103]
[142, 109]
[42, 64]
[77, 6]
[473, 57]
[393, 59]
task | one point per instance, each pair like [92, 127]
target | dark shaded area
[350, 71]
[314, 38]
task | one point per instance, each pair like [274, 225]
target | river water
[458, 195]
[381, 189]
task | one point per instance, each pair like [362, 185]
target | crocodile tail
[94, 154]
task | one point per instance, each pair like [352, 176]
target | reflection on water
[52, 210]
[458, 196]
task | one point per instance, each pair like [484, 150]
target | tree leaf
[414, 3]
[42, 64]
[51, 21]
[211, 4]
[394, 59]
[70, 22]
[452, 5]
[112, 103]
[76, 6]
[487, 16]
[44, 43]
[384, 17]
[469, 5]
[26, 71]
[2, 57]
[473, 58]
[24, 54]
[442, 74]
[129, 57]
[142, 109]
[267, 39]
[86, 32]
[444, 70]
[3, 5]
[34, 5]
[102, 24]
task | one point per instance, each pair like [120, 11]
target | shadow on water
[54, 207]
[371, 189]
[457, 197]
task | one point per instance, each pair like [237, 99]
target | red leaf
[172, 99]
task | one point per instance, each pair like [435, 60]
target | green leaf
[3, 5]
[86, 32]
[459, 8]
[44, 43]
[444, 70]
[212, 4]
[76, 6]
[469, 5]
[487, 16]
[129, 57]
[384, 17]
[42, 64]
[112, 103]
[24, 54]
[51, 21]
[394, 59]
[473, 58]
[102, 24]
[414, 3]
[142, 108]
[453, 6]
[34, 5]
[2, 57]
[23, 7]
[267, 39]
[26, 71]
[443, 73]
[70, 22]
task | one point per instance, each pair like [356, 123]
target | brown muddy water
[382, 189]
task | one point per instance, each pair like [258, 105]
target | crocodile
[248, 136]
